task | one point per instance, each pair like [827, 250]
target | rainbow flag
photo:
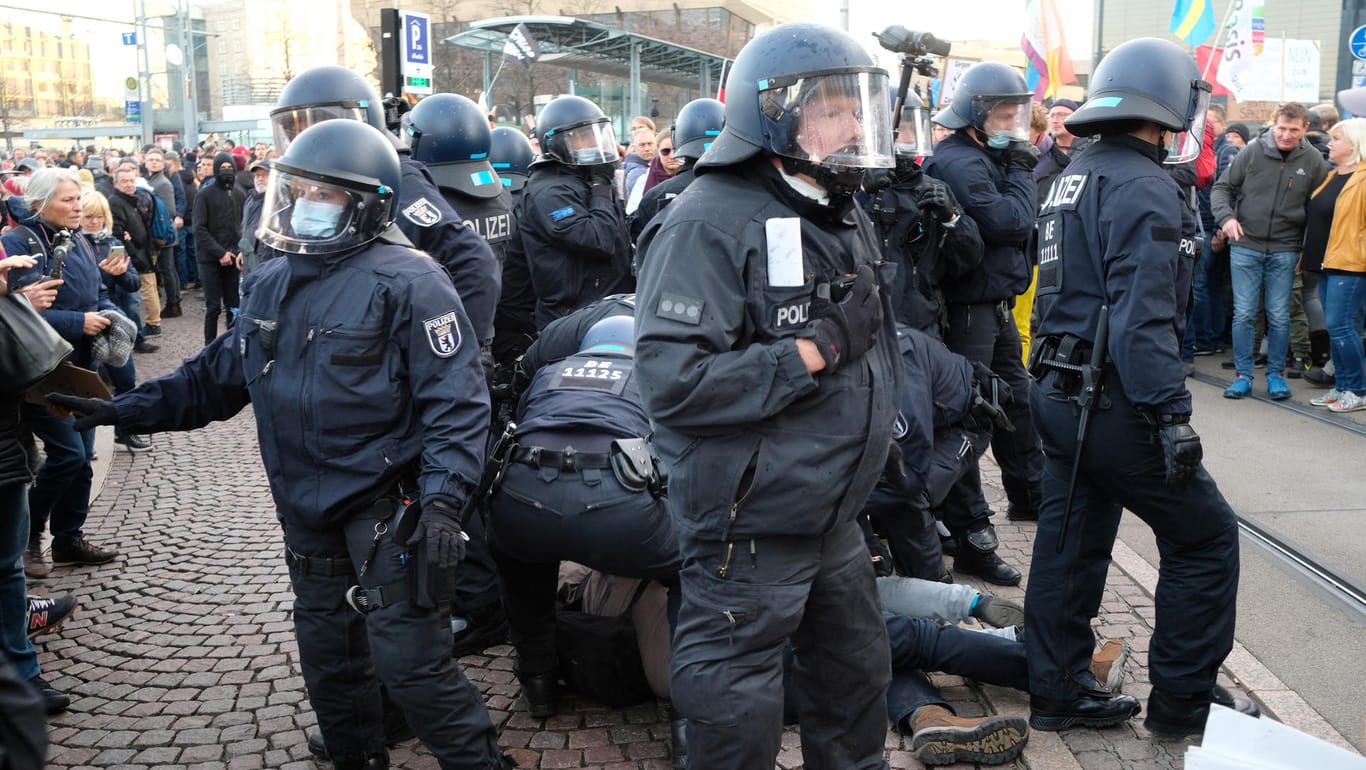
[1045, 48]
[1193, 21]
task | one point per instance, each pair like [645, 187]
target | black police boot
[396, 731]
[1088, 709]
[1177, 715]
[977, 556]
[1024, 506]
[542, 694]
[678, 740]
[378, 761]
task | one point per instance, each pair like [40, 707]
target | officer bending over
[356, 355]
[1116, 252]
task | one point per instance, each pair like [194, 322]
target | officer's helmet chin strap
[840, 182]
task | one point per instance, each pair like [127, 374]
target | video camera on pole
[917, 50]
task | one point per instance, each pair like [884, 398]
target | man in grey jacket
[154, 162]
[1259, 203]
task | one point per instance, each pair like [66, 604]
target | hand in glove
[845, 330]
[440, 536]
[1180, 449]
[90, 411]
[1020, 155]
[934, 201]
[985, 411]
[602, 178]
[990, 384]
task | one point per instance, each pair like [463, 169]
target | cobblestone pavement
[182, 655]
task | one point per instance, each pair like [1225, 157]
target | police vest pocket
[788, 308]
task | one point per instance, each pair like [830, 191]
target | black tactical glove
[602, 179]
[1180, 449]
[845, 330]
[984, 411]
[1020, 155]
[89, 411]
[439, 534]
[990, 384]
[934, 201]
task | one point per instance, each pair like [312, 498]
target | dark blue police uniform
[364, 373]
[1114, 232]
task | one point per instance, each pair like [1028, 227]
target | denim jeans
[1344, 302]
[62, 491]
[1255, 273]
[13, 590]
[1206, 328]
[185, 252]
[921, 644]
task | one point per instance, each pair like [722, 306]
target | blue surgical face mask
[998, 141]
[312, 219]
[588, 156]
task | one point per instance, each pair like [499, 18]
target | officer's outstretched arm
[208, 387]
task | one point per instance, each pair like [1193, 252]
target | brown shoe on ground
[35, 566]
[1108, 664]
[82, 553]
[940, 738]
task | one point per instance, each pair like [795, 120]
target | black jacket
[17, 452]
[131, 215]
[217, 222]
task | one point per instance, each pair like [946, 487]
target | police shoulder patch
[676, 307]
[559, 214]
[422, 212]
[443, 334]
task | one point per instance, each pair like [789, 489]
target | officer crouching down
[357, 357]
[768, 365]
[1116, 251]
[581, 485]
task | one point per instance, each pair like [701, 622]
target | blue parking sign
[417, 48]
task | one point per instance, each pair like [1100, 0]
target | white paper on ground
[1236, 741]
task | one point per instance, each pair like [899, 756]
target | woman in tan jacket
[1341, 200]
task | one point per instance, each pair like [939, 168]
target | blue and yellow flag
[1193, 21]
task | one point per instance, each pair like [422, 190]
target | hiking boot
[82, 553]
[940, 738]
[1178, 715]
[1240, 388]
[35, 566]
[46, 616]
[997, 612]
[1107, 664]
[133, 443]
[54, 701]
[1276, 387]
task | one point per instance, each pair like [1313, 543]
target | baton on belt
[1092, 378]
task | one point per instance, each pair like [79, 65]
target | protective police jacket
[491, 218]
[719, 369]
[439, 230]
[576, 244]
[588, 393]
[1004, 206]
[564, 336]
[1114, 232]
[1267, 193]
[362, 369]
[935, 394]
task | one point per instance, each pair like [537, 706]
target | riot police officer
[581, 485]
[511, 156]
[1116, 252]
[767, 360]
[363, 370]
[571, 227]
[450, 135]
[329, 92]
[514, 327]
[697, 125]
[987, 163]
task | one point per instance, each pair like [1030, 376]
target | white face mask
[312, 219]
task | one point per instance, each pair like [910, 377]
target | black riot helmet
[450, 134]
[323, 93]
[1147, 79]
[813, 97]
[993, 99]
[575, 132]
[697, 126]
[334, 189]
[511, 155]
[914, 135]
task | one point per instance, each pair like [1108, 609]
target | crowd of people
[745, 365]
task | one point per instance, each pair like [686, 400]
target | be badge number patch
[443, 334]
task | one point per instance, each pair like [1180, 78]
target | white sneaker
[1326, 399]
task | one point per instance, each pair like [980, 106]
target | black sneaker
[133, 443]
[54, 701]
[82, 552]
[146, 347]
[46, 616]
[1297, 366]
[151, 331]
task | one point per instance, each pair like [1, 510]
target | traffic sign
[130, 38]
[1357, 42]
[130, 84]
[132, 111]
[416, 66]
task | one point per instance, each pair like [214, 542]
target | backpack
[162, 224]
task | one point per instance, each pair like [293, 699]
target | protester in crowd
[168, 278]
[132, 210]
[183, 179]
[250, 247]
[638, 158]
[1341, 200]
[218, 229]
[662, 167]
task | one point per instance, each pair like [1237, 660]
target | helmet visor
[589, 144]
[914, 137]
[1185, 146]
[1002, 116]
[834, 119]
[287, 122]
[319, 214]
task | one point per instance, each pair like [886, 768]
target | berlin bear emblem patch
[422, 212]
[443, 334]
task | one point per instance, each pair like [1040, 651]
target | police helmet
[1147, 79]
[914, 136]
[813, 97]
[450, 134]
[324, 93]
[575, 132]
[613, 334]
[334, 189]
[993, 99]
[697, 126]
[511, 155]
